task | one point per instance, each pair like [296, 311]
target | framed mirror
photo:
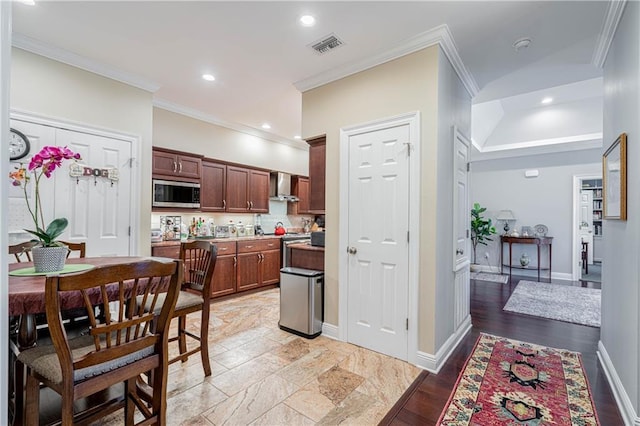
[614, 182]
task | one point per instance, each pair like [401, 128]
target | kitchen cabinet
[175, 165]
[213, 186]
[224, 274]
[258, 263]
[317, 155]
[299, 188]
[247, 190]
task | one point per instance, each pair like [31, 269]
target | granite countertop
[306, 246]
[215, 240]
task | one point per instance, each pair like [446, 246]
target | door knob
[352, 250]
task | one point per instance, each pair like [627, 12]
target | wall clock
[19, 145]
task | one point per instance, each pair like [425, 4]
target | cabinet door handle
[180, 164]
[259, 259]
[222, 249]
[262, 256]
[249, 247]
[250, 205]
[224, 204]
[235, 261]
[175, 167]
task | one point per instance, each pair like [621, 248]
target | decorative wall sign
[77, 171]
[614, 182]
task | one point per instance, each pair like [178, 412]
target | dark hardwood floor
[423, 402]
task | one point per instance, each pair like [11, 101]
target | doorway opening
[589, 228]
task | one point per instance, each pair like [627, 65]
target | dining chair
[131, 341]
[199, 262]
[22, 249]
[76, 247]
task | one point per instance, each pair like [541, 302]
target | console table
[538, 241]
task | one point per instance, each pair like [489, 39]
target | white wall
[454, 109]
[547, 199]
[620, 330]
[176, 131]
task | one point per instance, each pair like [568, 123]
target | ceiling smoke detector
[326, 43]
[522, 43]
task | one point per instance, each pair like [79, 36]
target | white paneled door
[98, 210]
[378, 240]
[462, 220]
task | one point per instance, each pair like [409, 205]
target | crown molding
[61, 55]
[608, 31]
[438, 35]
[199, 115]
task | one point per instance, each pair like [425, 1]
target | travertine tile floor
[262, 375]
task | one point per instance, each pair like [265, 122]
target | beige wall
[55, 90]
[176, 131]
[400, 86]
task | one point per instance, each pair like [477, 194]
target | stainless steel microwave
[167, 193]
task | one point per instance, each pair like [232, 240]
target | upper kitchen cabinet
[213, 186]
[176, 165]
[299, 188]
[317, 154]
[247, 190]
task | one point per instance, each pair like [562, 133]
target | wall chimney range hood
[280, 187]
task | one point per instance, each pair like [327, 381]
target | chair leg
[18, 377]
[67, 410]
[159, 400]
[182, 337]
[129, 405]
[204, 341]
[32, 405]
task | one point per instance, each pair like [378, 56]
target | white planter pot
[49, 259]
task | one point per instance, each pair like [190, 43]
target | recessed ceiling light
[522, 43]
[297, 137]
[307, 21]
[208, 77]
[547, 100]
[266, 126]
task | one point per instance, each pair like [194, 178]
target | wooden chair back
[199, 261]
[130, 340]
[76, 247]
[18, 250]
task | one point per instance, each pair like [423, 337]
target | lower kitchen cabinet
[224, 274]
[258, 263]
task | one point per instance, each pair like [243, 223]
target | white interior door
[586, 222]
[461, 265]
[99, 213]
[378, 267]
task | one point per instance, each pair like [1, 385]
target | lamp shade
[506, 215]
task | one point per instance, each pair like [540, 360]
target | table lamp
[506, 216]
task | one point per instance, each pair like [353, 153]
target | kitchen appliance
[222, 231]
[280, 187]
[301, 301]
[258, 230]
[280, 229]
[317, 238]
[167, 193]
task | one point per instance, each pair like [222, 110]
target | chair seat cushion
[186, 300]
[44, 360]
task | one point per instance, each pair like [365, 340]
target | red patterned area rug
[507, 382]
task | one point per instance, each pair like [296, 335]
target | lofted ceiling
[261, 55]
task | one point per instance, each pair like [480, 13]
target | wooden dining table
[27, 295]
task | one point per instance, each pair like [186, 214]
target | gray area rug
[555, 301]
[484, 276]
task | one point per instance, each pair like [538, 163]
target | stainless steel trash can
[301, 301]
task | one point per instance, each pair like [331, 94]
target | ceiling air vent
[326, 44]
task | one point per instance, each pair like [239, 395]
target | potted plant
[481, 228]
[49, 255]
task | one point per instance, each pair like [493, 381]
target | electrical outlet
[486, 255]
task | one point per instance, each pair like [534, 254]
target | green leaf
[57, 227]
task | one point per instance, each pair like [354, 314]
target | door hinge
[467, 233]
[129, 231]
[407, 323]
[467, 166]
[407, 236]
[409, 146]
[131, 160]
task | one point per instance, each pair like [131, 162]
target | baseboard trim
[330, 331]
[433, 363]
[629, 415]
